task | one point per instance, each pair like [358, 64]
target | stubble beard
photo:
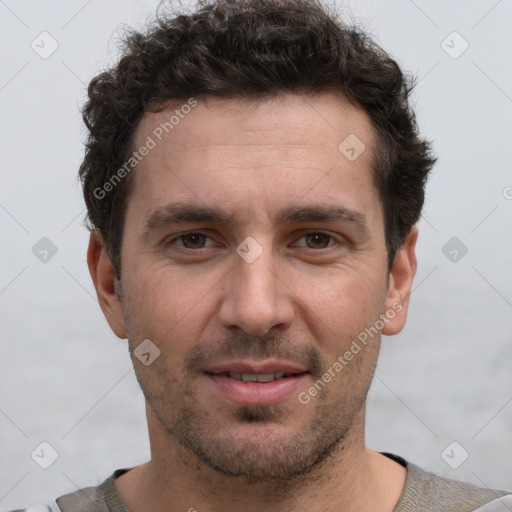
[269, 449]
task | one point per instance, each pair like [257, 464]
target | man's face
[254, 246]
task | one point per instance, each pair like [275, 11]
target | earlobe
[103, 276]
[400, 284]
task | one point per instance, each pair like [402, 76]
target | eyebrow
[180, 213]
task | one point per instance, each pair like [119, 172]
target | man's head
[253, 49]
[266, 231]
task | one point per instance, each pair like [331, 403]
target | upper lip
[256, 368]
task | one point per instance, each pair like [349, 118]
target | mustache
[254, 348]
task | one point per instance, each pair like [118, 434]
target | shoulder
[83, 500]
[36, 508]
[425, 491]
[103, 498]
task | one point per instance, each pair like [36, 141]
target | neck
[353, 478]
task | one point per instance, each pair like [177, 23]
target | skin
[304, 299]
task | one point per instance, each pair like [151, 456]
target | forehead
[242, 152]
[237, 122]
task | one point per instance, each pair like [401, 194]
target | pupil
[195, 240]
[317, 238]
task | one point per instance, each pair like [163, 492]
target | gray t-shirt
[423, 492]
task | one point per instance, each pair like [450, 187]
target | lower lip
[257, 393]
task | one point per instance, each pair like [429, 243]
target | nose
[256, 298]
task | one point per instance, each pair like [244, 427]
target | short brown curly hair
[252, 49]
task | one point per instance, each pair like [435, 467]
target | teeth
[248, 377]
[265, 378]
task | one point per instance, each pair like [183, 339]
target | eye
[191, 240]
[316, 240]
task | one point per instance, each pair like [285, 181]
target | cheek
[168, 308]
[342, 307]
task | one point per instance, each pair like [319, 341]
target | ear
[400, 284]
[103, 277]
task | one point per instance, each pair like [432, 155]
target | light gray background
[67, 380]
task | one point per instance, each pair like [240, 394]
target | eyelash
[309, 233]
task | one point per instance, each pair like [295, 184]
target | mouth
[262, 378]
[256, 384]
